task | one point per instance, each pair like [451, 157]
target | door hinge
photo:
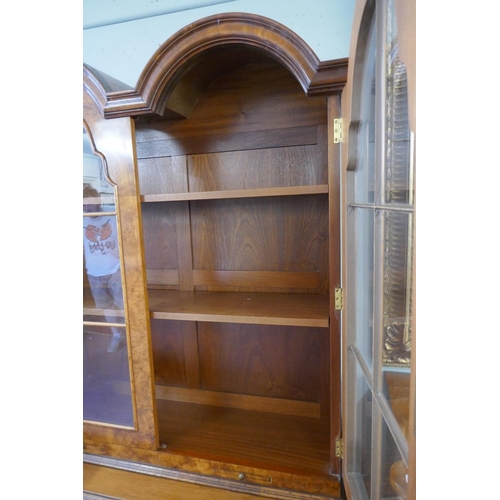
[339, 299]
[338, 134]
[339, 448]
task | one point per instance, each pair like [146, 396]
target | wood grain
[237, 193]
[263, 168]
[271, 361]
[153, 144]
[255, 139]
[240, 401]
[268, 279]
[162, 277]
[160, 240]
[250, 98]
[286, 483]
[115, 142]
[170, 82]
[252, 308]
[169, 339]
[156, 175]
[244, 437]
[335, 358]
[134, 486]
[274, 234]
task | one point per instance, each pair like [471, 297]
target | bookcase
[227, 185]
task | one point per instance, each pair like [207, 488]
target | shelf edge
[237, 193]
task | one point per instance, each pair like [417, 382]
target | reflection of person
[102, 260]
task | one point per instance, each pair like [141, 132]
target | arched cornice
[112, 97]
[181, 52]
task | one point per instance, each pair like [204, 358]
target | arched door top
[166, 85]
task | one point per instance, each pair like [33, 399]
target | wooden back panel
[276, 137]
[254, 128]
[261, 168]
[256, 234]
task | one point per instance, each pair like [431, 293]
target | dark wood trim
[106, 91]
[330, 78]
[334, 111]
[175, 59]
[257, 139]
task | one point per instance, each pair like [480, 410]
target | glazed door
[379, 274]
[118, 405]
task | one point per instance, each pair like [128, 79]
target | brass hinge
[339, 448]
[339, 299]
[338, 134]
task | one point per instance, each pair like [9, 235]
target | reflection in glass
[396, 389]
[100, 193]
[106, 379]
[380, 188]
[102, 273]
[365, 165]
[393, 474]
[360, 404]
[364, 284]
[106, 390]
[364, 401]
[397, 299]
[398, 155]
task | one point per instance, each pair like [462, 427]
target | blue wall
[120, 36]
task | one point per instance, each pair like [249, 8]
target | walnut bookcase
[238, 207]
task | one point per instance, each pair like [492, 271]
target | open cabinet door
[378, 254]
[118, 401]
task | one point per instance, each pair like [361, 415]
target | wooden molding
[242, 401]
[330, 78]
[108, 93]
[169, 85]
[229, 483]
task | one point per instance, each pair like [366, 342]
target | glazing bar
[393, 208]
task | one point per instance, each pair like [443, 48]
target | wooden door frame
[120, 163]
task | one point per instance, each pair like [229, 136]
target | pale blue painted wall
[120, 36]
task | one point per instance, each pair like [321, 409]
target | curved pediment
[181, 69]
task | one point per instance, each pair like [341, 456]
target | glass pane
[393, 473]
[365, 165]
[371, 466]
[98, 192]
[107, 393]
[396, 388]
[364, 283]
[360, 456]
[399, 186]
[398, 283]
[102, 281]
[106, 379]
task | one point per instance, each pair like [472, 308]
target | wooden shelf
[251, 308]
[249, 438]
[237, 193]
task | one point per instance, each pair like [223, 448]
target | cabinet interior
[235, 220]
